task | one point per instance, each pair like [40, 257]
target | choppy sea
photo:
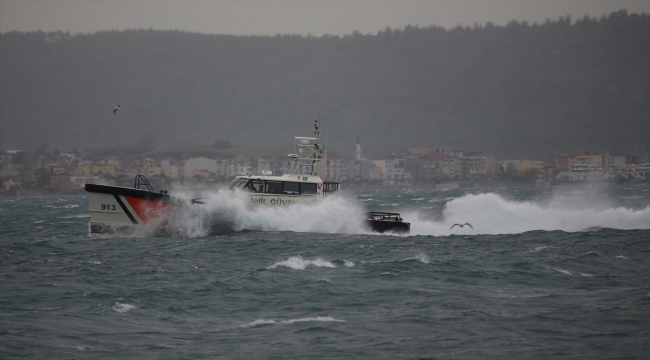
[551, 272]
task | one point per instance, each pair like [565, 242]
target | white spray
[488, 214]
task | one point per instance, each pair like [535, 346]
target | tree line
[519, 90]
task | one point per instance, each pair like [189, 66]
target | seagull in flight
[461, 225]
[198, 267]
[117, 108]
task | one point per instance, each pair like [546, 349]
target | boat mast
[317, 154]
[314, 152]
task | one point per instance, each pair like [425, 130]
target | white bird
[117, 108]
[197, 267]
[461, 225]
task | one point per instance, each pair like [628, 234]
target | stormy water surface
[546, 272]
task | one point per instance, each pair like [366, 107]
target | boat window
[238, 183]
[232, 183]
[291, 188]
[255, 186]
[273, 187]
[307, 189]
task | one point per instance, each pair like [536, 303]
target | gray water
[552, 272]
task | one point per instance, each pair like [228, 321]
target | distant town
[41, 172]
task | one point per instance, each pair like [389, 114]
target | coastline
[370, 186]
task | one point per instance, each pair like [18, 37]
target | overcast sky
[270, 17]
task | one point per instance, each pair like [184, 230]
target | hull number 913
[109, 207]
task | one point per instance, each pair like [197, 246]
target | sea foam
[298, 263]
[122, 308]
[261, 322]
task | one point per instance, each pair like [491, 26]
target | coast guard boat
[117, 209]
[121, 209]
[301, 185]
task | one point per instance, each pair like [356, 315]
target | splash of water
[491, 214]
[225, 210]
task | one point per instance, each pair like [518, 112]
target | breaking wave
[224, 212]
[298, 263]
[261, 322]
[122, 308]
[491, 214]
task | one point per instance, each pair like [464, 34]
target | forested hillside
[516, 90]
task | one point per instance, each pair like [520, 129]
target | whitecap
[82, 347]
[122, 308]
[516, 294]
[78, 216]
[539, 248]
[298, 263]
[261, 322]
[589, 253]
[258, 322]
[567, 272]
[620, 257]
[421, 257]
[348, 263]
[63, 207]
[317, 318]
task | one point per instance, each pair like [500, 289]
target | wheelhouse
[283, 187]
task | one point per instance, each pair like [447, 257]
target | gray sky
[270, 17]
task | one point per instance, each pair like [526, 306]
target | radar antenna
[310, 152]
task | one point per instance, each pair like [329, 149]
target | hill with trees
[531, 90]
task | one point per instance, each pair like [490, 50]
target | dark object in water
[382, 222]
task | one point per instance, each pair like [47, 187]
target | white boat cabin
[288, 185]
[302, 184]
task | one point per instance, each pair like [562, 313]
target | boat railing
[330, 188]
[384, 216]
[140, 180]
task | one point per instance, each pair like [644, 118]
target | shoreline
[457, 185]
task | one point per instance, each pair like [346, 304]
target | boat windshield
[238, 184]
[275, 187]
[255, 186]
